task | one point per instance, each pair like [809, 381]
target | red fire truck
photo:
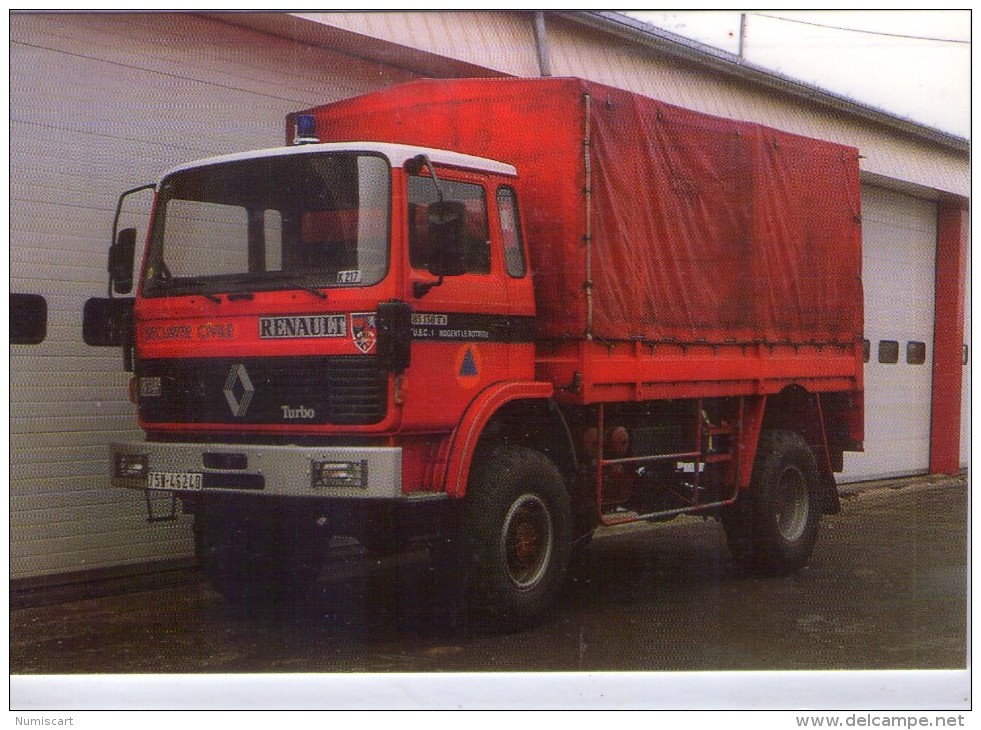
[492, 315]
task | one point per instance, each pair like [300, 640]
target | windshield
[297, 220]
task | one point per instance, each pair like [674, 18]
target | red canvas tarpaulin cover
[680, 226]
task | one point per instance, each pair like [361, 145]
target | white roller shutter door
[899, 239]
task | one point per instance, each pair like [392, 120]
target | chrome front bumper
[294, 471]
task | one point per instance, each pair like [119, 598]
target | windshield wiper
[163, 279]
[293, 281]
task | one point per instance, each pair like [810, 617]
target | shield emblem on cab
[364, 331]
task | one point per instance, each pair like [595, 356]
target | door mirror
[121, 255]
[446, 228]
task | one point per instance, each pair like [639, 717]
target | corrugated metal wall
[501, 42]
[100, 103]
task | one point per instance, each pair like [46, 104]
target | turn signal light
[131, 466]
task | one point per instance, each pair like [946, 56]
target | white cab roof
[397, 155]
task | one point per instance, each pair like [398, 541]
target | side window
[915, 353]
[28, 319]
[888, 352]
[514, 250]
[422, 192]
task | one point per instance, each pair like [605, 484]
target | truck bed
[673, 251]
[586, 372]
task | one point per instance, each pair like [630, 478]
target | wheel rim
[526, 541]
[792, 504]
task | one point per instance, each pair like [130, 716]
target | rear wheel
[773, 526]
[517, 538]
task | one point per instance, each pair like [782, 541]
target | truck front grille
[340, 390]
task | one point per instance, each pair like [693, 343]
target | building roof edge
[729, 64]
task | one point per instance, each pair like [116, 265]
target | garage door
[899, 238]
[99, 103]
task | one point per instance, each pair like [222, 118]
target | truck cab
[311, 322]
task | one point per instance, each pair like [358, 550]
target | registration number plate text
[175, 480]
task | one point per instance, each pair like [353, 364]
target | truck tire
[518, 522]
[258, 562]
[772, 527]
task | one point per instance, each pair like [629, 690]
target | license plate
[175, 480]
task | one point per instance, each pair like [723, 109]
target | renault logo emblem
[238, 390]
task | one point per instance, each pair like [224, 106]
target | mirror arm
[119, 210]
[416, 166]
[421, 288]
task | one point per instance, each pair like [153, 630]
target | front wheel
[518, 522]
[772, 528]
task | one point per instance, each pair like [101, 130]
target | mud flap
[831, 501]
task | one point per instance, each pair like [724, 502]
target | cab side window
[514, 250]
[422, 192]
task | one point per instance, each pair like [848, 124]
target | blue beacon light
[306, 129]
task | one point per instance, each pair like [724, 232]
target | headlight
[325, 474]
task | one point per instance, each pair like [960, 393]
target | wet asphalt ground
[886, 588]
